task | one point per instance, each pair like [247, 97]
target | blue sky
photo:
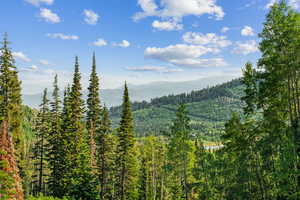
[139, 41]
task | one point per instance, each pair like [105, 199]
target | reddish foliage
[6, 145]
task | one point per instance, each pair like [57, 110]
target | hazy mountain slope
[113, 97]
[208, 109]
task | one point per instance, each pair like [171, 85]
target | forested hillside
[68, 149]
[113, 97]
[208, 109]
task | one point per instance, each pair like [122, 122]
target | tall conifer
[10, 114]
[79, 179]
[179, 154]
[41, 147]
[105, 154]
[93, 112]
[55, 157]
[127, 166]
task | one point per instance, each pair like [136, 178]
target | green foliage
[106, 155]
[180, 155]
[126, 160]
[56, 152]
[255, 120]
[78, 180]
[6, 180]
[11, 118]
[208, 109]
[41, 148]
[93, 111]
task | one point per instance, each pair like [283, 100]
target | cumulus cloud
[90, 17]
[185, 55]
[49, 16]
[123, 44]
[167, 25]
[100, 42]
[21, 56]
[178, 9]
[210, 39]
[62, 36]
[225, 29]
[247, 31]
[39, 2]
[178, 51]
[158, 69]
[246, 48]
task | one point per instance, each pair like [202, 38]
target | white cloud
[100, 42]
[44, 62]
[62, 36]
[225, 29]
[39, 2]
[247, 31]
[90, 17]
[178, 51]
[295, 4]
[167, 25]
[123, 44]
[210, 39]
[158, 69]
[270, 4]
[185, 55]
[246, 48]
[200, 62]
[49, 16]
[179, 8]
[21, 56]
[32, 68]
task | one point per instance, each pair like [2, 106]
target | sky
[140, 41]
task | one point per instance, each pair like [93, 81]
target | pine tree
[55, 155]
[93, 112]
[61, 182]
[180, 152]
[10, 113]
[41, 147]
[105, 155]
[250, 81]
[127, 166]
[80, 183]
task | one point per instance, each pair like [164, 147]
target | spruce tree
[93, 112]
[55, 154]
[40, 149]
[61, 180]
[105, 155]
[180, 154]
[80, 183]
[126, 162]
[10, 119]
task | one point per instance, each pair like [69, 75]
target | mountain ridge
[143, 92]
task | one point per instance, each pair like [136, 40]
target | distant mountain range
[113, 97]
[209, 109]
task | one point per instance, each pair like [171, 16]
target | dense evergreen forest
[209, 109]
[68, 149]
